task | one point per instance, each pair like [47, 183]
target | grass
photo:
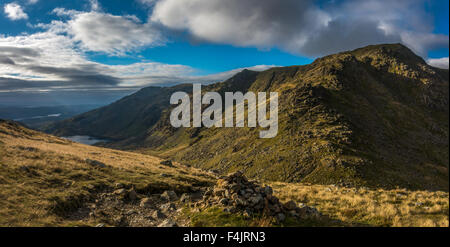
[371, 207]
[43, 177]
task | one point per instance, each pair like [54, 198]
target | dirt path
[126, 208]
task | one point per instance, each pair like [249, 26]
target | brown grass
[38, 170]
[368, 207]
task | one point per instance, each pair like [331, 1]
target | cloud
[439, 62]
[15, 12]
[54, 58]
[148, 2]
[102, 32]
[311, 28]
[95, 5]
[52, 62]
[32, 1]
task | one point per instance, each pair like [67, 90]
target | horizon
[96, 52]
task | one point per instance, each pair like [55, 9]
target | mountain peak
[397, 50]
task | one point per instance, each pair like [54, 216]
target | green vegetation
[376, 116]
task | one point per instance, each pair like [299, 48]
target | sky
[58, 52]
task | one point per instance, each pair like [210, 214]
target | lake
[85, 139]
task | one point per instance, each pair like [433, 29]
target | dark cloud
[6, 60]
[19, 51]
[309, 27]
[77, 76]
[341, 35]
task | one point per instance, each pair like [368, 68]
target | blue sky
[120, 46]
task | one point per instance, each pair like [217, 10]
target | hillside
[49, 181]
[376, 116]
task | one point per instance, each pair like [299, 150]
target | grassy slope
[371, 207]
[376, 116]
[42, 176]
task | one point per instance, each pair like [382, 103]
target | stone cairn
[236, 194]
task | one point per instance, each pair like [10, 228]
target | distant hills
[36, 117]
[376, 116]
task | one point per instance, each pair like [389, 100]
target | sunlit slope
[43, 178]
[375, 116]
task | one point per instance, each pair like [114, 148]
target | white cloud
[148, 2]
[102, 32]
[15, 12]
[302, 27]
[439, 62]
[32, 1]
[51, 61]
[95, 5]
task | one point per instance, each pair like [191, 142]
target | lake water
[38, 117]
[85, 139]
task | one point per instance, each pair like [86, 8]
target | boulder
[158, 215]
[146, 203]
[166, 163]
[168, 207]
[95, 163]
[290, 205]
[168, 223]
[131, 195]
[169, 196]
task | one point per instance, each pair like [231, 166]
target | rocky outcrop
[236, 194]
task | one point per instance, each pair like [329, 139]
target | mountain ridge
[376, 116]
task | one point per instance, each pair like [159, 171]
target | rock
[24, 168]
[223, 201]
[166, 163]
[146, 203]
[185, 198]
[214, 171]
[307, 212]
[120, 192]
[169, 196]
[95, 163]
[255, 199]
[234, 193]
[100, 225]
[132, 195]
[268, 190]
[168, 223]
[290, 205]
[240, 202]
[168, 207]
[219, 192]
[158, 215]
[294, 213]
[131, 212]
[280, 217]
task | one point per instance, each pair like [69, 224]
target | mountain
[37, 117]
[50, 181]
[376, 116]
